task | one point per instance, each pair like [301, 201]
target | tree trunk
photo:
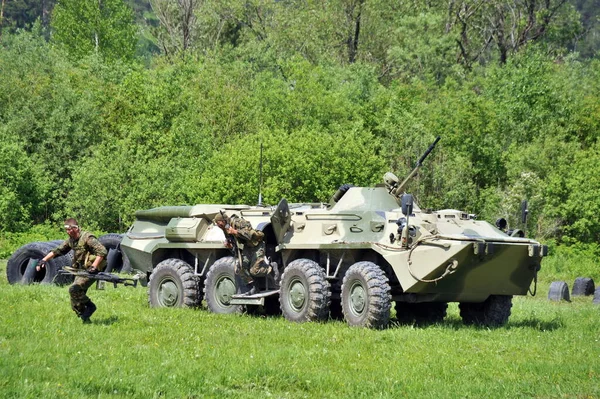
[355, 33]
[2, 16]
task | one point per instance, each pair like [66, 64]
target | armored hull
[353, 257]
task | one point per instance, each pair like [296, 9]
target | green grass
[547, 350]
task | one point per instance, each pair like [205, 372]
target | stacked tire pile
[583, 286]
[21, 266]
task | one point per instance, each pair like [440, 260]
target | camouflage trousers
[253, 263]
[78, 293]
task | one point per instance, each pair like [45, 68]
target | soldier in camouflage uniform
[249, 248]
[89, 255]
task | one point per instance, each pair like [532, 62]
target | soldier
[249, 249]
[88, 254]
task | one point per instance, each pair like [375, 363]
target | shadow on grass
[537, 324]
[106, 321]
[457, 324]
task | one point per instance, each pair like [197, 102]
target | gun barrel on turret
[397, 192]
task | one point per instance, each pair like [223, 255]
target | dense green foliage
[88, 27]
[547, 350]
[336, 92]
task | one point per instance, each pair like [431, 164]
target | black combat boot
[90, 308]
[249, 289]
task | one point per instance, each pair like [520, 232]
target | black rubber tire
[493, 312]
[17, 263]
[116, 261]
[173, 284]
[421, 313]
[583, 286]
[112, 260]
[366, 298]
[111, 240]
[30, 272]
[559, 291]
[60, 262]
[305, 292]
[219, 285]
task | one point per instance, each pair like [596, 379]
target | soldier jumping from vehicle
[248, 247]
[88, 254]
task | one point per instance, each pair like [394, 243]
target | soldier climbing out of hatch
[248, 247]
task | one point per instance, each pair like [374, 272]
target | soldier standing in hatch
[88, 254]
[250, 250]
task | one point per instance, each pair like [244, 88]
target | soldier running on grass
[90, 255]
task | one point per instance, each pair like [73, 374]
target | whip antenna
[260, 177]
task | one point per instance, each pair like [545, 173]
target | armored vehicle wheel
[421, 313]
[492, 312]
[366, 298]
[305, 292]
[173, 284]
[220, 286]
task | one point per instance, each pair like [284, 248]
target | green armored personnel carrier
[353, 258]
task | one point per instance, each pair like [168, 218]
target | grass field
[547, 350]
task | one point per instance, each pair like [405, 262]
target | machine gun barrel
[102, 276]
[397, 192]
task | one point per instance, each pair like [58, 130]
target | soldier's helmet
[221, 216]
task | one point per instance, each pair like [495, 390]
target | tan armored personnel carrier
[354, 257]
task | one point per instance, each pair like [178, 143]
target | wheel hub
[168, 293]
[298, 295]
[357, 298]
[225, 289]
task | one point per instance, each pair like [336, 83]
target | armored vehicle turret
[354, 257]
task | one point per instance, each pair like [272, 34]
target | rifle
[101, 276]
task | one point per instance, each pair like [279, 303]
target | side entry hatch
[281, 220]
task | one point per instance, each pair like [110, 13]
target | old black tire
[421, 313]
[583, 286]
[17, 263]
[220, 285]
[493, 312]
[559, 291]
[173, 284]
[366, 298]
[60, 262]
[305, 292]
[116, 261]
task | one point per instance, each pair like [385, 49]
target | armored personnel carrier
[354, 257]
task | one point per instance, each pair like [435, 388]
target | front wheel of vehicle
[173, 284]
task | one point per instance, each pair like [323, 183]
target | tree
[178, 22]
[509, 25]
[102, 27]
[21, 14]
